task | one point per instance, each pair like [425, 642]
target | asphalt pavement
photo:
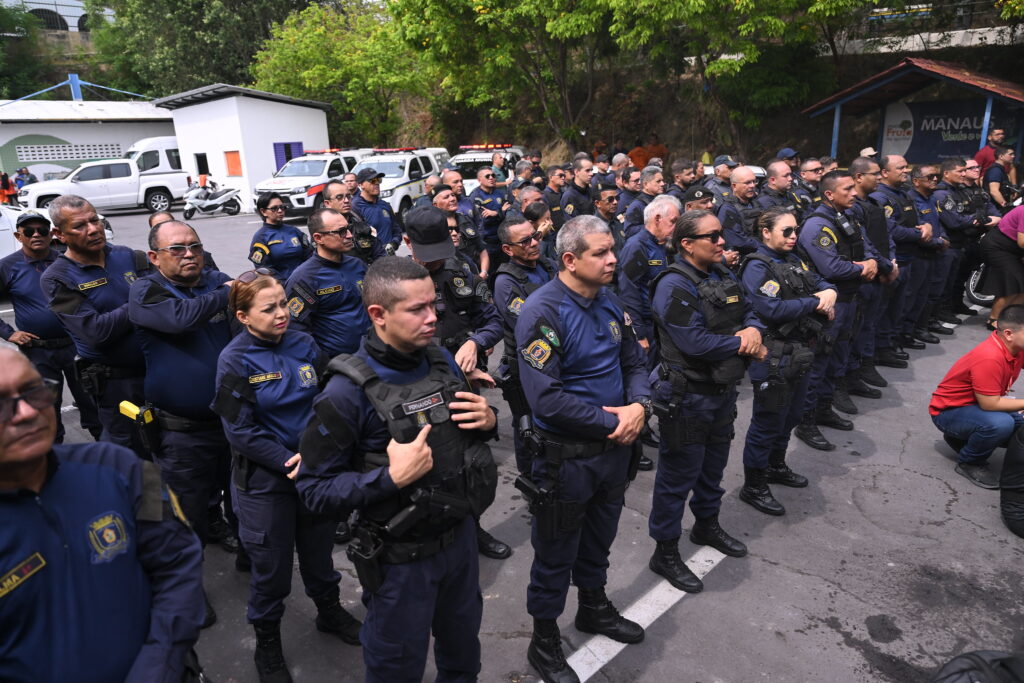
[887, 565]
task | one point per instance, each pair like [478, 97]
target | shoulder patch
[888, 210]
[770, 288]
[307, 375]
[616, 331]
[515, 307]
[108, 536]
[295, 305]
[537, 353]
[949, 204]
[550, 335]
[824, 241]
[569, 209]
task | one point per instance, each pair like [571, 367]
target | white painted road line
[597, 651]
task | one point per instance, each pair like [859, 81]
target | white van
[405, 171]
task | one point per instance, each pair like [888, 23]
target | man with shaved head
[739, 213]
[97, 559]
[777, 190]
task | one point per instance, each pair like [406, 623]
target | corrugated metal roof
[79, 111]
[909, 76]
[217, 91]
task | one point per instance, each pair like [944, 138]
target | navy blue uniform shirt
[492, 201]
[183, 331]
[509, 295]
[100, 577]
[736, 236]
[281, 247]
[818, 239]
[928, 211]
[575, 356]
[576, 202]
[380, 215]
[326, 300]
[19, 279]
[272, 386]
[641, 260]
[763, 290]
[91, 303]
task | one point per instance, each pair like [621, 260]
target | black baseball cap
[427, 229]
[696, 192]
[368, 174]
[727, 160]
[29, 217]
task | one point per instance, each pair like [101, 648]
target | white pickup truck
[111, 184]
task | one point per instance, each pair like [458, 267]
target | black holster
[512, 392]
[241, 470]
[554, 517]
[636, 452]
[93, 382]
[676, 428]
[364, 552]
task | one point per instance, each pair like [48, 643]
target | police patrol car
[300, 182]
[405, 171]
[471, 158]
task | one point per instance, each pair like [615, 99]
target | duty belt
[571, 450]
[677, 379]
[113, 372]
[56, 343]
[176, 423]
[400, 552]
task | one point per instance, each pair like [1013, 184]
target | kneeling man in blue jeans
[970, 405]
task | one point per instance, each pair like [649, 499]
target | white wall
[249, 126]
[124, 134]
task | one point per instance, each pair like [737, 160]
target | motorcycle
[209, 200]
[973, 295]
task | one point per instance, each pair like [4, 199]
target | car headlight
[299, 190]
[23, 193]
[386, 193]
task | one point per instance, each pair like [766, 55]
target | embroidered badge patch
[307, 375]
[364, 244]
[770, 288]
[257, 256]
[656, 262]
[95, 283]
[537, 353]
[470, 232]
[264, 377]
[824, 241]
[21, 572]
[569, 208]
[328, 290]
[550, 335]
[295, 241]
[888, 211]
[295, 305]
[734, 299]
[130, 277]
[515, 306]
[616, 330]
[108, 536]
[423, 404]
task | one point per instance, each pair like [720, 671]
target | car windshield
[390, 169]
[301, 167]
[469, 169]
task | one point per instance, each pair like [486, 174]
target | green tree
[25, 61]
[350, 57]
[159, 47]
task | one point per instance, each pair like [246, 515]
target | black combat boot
[779, 472]
[708, 531]
[826, 417]
[666, 562]
[545, 653]
[269, 657]
[808, 432]
[922, 334]
[890, 358]
[841, 398]
[856, 386]
[909, 341]
[597, 614]
[489, 546]
[869, 373]
[755, 491]
[331, 617]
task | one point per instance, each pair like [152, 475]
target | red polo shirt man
[971, 407]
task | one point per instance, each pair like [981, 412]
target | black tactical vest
[364, 242]
[849, 247]
[463, 465]
[456, 294]
[875, 226]
[795, 282]
[724, 307]
[526, 288]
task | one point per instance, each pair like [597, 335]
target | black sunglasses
[250, 275]
[713, 236]
[339, 231]
[38, 396]
[276, 207]
[525, 242]
[933, 176]
[33, 230]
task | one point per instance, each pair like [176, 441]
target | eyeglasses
[487, 175]
[250, 275]
[971, 168]
[339, 231]
[38, 396]
[788, 232]
[713, 236]
[276, 207]
[527, 241]
[33, 230]
[613, 198]
[933, 176]
[179, 250]
[814, 170]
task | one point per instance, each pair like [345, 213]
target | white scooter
[209, 200]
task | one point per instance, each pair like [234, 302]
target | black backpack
[982, 666]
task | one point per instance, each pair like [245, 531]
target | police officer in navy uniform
[40, 334]
[652, 182]
[777, 189]
[805, 186]
[908, 235]
[553, 194]
[795, 305]
[398, 434]
[963, 226]
[606, 199]
[87, 289]
[738, 213]
[277, 244]
[707, 332]
[835, 247]
[933, 263]
[583, 374]
[719, 182]
[519, 277]
[684, 175]
[375, 211]
[365, 245]
[576, 197]
[180, 310]
[470, 241]
[492, 204]
[468, 324]
[628, 180]
[266, 380]
[102, 576]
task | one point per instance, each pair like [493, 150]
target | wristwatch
[648, 406]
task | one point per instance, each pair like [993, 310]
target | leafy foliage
[24, 59]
